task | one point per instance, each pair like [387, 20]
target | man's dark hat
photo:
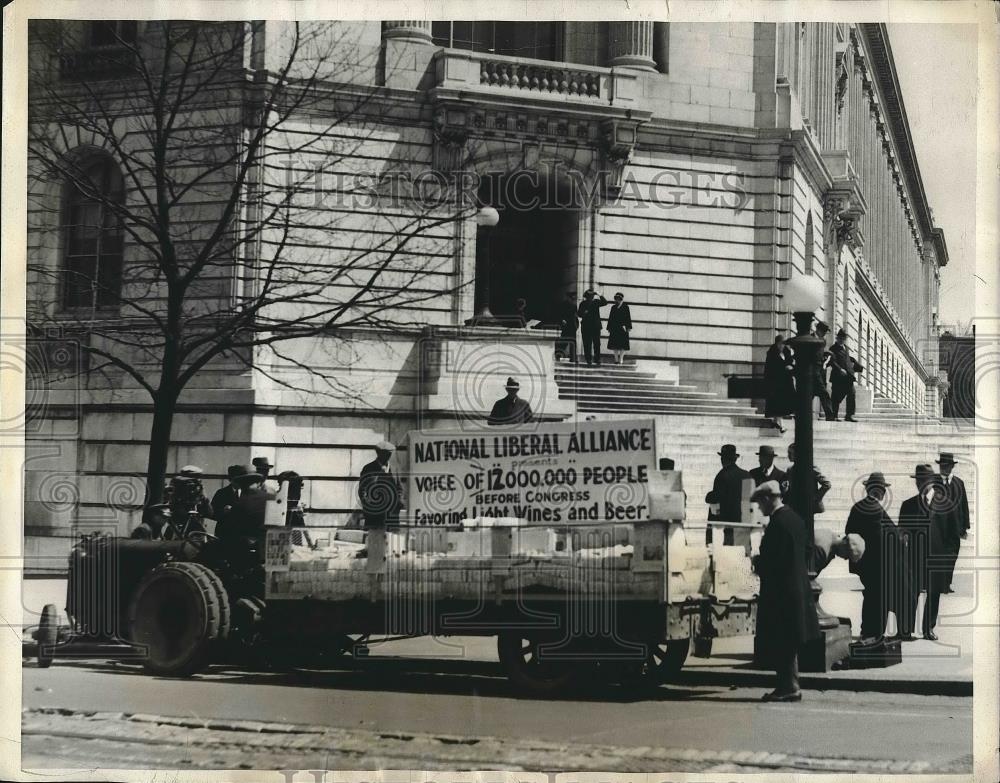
[923, 470]
[261, 462]
[590, 292]
[822, 325]
[842, 333]
[876, 478]
[765, 451]
[235, 470]
[512, 384]
[946, 458]
[729, 450]
[248, 476]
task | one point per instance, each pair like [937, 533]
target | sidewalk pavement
[944, 667]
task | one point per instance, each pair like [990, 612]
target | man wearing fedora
[245, 515]
[727, 491]
[590, 324]
[379, 491]
[766, 470]
[958, 503]
[786, 612]
[262, 465]
[226, 496]
[929, 528]
[822, 483]
[868, 519]
[510, 409]
[819, 373]
[842, 375]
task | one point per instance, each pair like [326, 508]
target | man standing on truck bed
[510, 409]
[379, 490]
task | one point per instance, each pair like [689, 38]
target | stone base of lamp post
[833, 645]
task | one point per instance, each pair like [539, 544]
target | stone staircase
[625, 388]
[885, 409]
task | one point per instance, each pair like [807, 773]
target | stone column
[408, 30]
[630, 45]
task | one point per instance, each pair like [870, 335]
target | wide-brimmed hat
[876, 478]
[261, 462]
[946, 458]
[248, 476]
[767, 489]
[384, 445]
[729, 450]
[765, 451]
[235, 470]
[923, 470]
[512, 384]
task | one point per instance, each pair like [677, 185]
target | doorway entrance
[533, 252]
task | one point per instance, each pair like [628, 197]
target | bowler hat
[765, 451]
[728, 450]
[946, 458]
[512, 384]
[876, 478]
[768, 488]
[384, 446]
[923, 470]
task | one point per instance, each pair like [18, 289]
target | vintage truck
[565, 541]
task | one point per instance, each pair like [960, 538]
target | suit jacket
[841, 365]
[823, 486]
[957, 500]
[569, 322]
[506, 411]
[590, 313]
[246, 517]
[870, 521]
[728, 490]
[381, 495]
[757, 474]
[619, 317]
[224, 497]
[933, 530]
[786, 613]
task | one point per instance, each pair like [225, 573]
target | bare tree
[213, 205]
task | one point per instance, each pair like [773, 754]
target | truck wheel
[527, 670]
[47, 636]
[177, 614]
[665, 660]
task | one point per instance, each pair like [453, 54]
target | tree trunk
[164, 404]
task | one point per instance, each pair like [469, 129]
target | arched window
[92, 231]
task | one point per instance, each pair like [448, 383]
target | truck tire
[520, 660]
[666, 659]
[178, 612]
[47, 636]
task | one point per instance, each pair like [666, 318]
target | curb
[765, 679]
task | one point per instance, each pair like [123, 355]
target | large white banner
[577, 473]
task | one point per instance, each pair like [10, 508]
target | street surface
[449, 707]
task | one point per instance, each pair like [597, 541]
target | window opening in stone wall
[92, 231]
[808, 254]
[532, 40]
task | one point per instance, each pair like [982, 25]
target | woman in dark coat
[619, 325]
[779, 382]
[786, 614]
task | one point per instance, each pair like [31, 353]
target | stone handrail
[459, 69]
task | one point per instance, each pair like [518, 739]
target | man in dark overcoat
[590, 324]
[569, 324]
[822, 483]
[868, 519]
[786, 613]
[766, 471]
[245, 516]
[958, 504]
[510, 409]
[379, 491]
[727, 493]
[820, 367]
[930, 528]
[842, 376]
[226, 496]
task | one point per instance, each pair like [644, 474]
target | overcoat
[380, 494]
[506, 411]
[590, 314]
[779, 382]
[786, 613]
[932, 534]
[870, 521]
[619, 324]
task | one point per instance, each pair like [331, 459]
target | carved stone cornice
[618, 139]
[843, 205]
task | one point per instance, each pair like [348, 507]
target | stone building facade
[692, 166]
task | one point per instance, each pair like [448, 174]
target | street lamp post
[802, 295]
[486, 219]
